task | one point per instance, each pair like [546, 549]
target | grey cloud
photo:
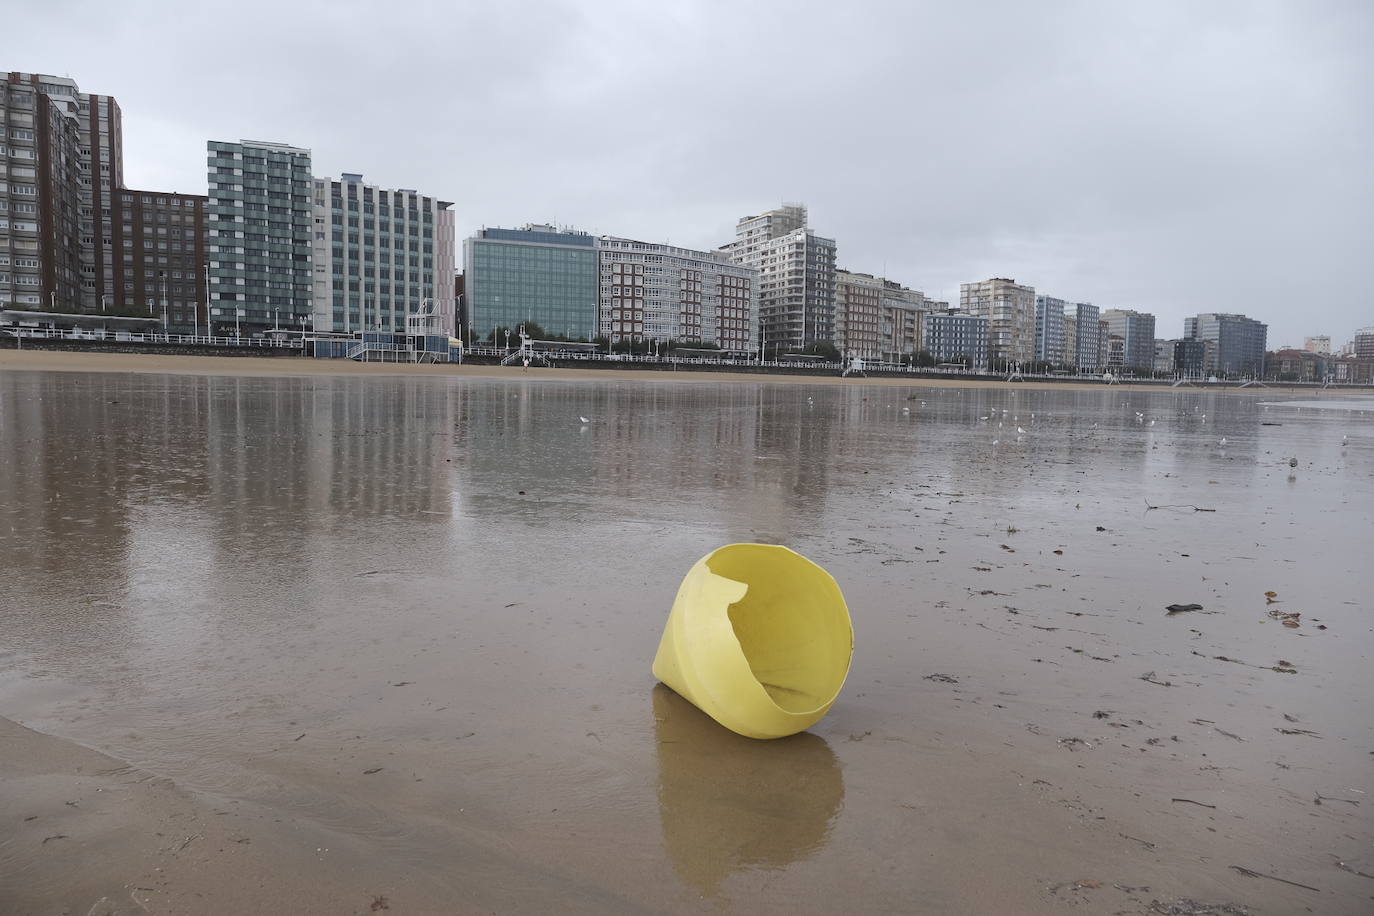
[1174, 157]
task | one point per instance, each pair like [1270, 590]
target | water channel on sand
[407, 623]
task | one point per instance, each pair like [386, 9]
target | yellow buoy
[759, 639]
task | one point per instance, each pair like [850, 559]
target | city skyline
[1171, 160]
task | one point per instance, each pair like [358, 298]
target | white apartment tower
[379, 255]
[796, 267]
[1009, 308]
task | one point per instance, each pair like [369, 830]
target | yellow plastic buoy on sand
[759, 639]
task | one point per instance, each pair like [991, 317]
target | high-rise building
[1362, 347]
[1071, 340]
[876, 318]
[1009, 308]
[1088, 337]
[537, 273]
[1049, 329]
[796, 293]
[1239, 342]
[43, 193]
[1137, 333]
[1320, 344]
[98, 245]
[858, 315]
[260, 241]
[954, 336]
[378, 255]
[903, 321]
[1104, 333]
[100, 173]
[159, 256]
[659, 292]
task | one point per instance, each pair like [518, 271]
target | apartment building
[158, 257]
[651, 291]
[796, 267]
[903, 320]
[1009, 308]
[1136, 331]
[859, 315]
[99, 173]
[378, 255]
[261, 234]
[1049, 329]
[42, 195]
[954, 336]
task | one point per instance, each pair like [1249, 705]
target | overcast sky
[1170, 157]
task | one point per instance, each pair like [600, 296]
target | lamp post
[103, 297]
[162, 275]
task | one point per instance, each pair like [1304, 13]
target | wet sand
[411, 623]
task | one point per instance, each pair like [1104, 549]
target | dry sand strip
[269, 367]
[82, 833]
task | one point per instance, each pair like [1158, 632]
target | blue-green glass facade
[540, 275]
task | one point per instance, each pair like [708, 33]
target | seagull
[996, 441]
[1020, 431]
[584, 420]
[1345, 440]
[906, 410]
[982, 419]
[1292, 462]
[1223, 441]
[1152, 422]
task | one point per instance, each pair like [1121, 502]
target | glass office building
[537, 273]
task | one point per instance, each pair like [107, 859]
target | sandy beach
[354, 643]
[264, 367]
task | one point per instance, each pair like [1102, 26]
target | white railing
[157, 337]
[383, 352]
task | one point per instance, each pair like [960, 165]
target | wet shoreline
[417, 620]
